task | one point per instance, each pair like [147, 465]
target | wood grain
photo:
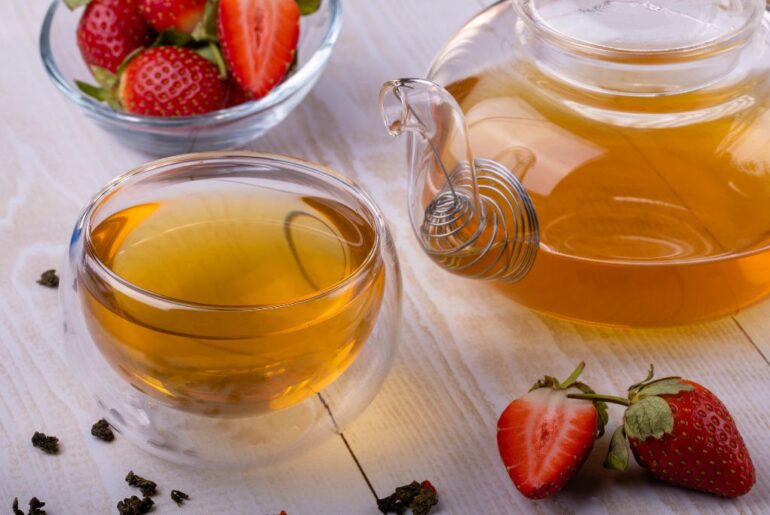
[466, 349]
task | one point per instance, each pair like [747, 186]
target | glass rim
[303, 76]
[706, 48]
[327, 175]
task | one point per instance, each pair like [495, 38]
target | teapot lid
[632, 47]
[641, 27]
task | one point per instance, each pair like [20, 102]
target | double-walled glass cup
[230, 308]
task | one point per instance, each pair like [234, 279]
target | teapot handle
[471, 216]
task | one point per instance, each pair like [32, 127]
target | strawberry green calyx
[130, 57]
[213, 53]
[572, 382]
[107, 90]
[171, 37]
[74, 4]
[617, 455]
[648, 415]
[307, 7]
[206, 30]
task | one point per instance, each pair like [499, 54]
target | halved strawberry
[544, 437]
[170, 81]
[258, 38]
[109, 30]
[182, 15]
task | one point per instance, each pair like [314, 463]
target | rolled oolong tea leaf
[35, 506]
[399, 501]
[15, 507]
[49, 279]
[148, 488]
[103, 431]
[47, 444]
[419, 497]
[179, 497]
[425, 500]
[135, 506]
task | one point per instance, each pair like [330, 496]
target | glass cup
[231, 308]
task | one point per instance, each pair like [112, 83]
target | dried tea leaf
[135, 506]
[399, 501]
[47, 444]
[422, 504]
[419, 497]
[179, 497]
[103, 431]
[148, 488]
[15, 507]
[49, 279]
[35, 506]
[425, 500]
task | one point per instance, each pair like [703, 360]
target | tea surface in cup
[277, 292]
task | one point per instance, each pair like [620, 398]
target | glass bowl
[226, 128]
[228, 382]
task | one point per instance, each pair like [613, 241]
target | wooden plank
[755, 323]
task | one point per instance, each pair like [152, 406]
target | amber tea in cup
[230, 296]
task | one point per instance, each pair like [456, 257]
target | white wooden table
[465, 349]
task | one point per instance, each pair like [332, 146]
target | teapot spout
[471, 216]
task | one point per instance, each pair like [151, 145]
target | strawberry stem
[573, 376]
[597, 397]
[650, 375]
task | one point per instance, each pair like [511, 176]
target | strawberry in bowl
[181, 15]
[170, 76]
[165, 57]
[109, 30]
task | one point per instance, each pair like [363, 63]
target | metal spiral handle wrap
[472, 216]
[498, 243]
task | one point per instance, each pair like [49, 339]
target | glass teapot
[602, 160]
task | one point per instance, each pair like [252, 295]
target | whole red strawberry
[545, 437]
[109, 30]
[182, 15]
[683, 434]
[259, 39]
[170, 81]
